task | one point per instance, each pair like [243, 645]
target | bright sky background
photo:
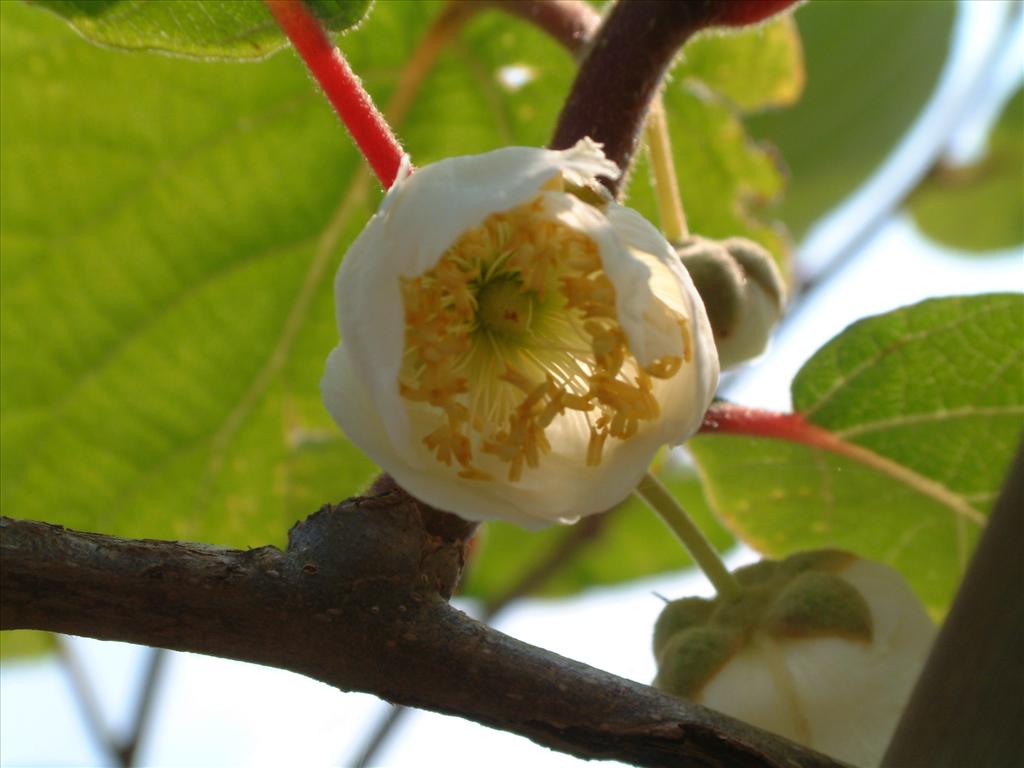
[212, 712]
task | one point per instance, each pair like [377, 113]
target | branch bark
[358, 600]
[968, 705]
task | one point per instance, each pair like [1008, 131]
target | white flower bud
[743, 291]
[823, 648]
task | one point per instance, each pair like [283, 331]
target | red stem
[726, 418]
[350, 100]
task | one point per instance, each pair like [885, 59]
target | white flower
[802, 654]
[513, 346]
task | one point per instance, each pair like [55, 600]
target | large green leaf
[871, 66]
[221, 29]
[931, 397]
[979, 207]
[165, 307]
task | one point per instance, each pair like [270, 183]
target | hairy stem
[657, 497]
[623, 71]
[570, 22]
[663, 166]
[723, 418]
[346, 94]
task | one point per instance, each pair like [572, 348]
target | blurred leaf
[25, 643]
[726, 179]
[936, 391]
[755, 68]
[979, 207]
[221, 29]
[632, 544]
[871, 67]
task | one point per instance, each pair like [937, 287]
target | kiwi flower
[514, 344]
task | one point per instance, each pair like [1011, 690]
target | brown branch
[630, 55]
[570, 22]
[968, 705]
[358, 601]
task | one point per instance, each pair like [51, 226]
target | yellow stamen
[514, 329]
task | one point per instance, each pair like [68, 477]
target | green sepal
[692, 657]
[758, 265]
[819, 604]
[679, 616]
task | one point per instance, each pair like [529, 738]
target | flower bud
[822, 648]
[743, 292]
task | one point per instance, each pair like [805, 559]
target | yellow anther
[577, 402]
[684, 326]
[553, 408]
[531, 451]
[515, 469]
[539, 393]
[665, 367]
[439, 441]
[595, 447]
[618, 425]
[555, 184]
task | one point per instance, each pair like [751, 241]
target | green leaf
[754, 69]
[632, 543]
[871, 67]
[931, 398]
[166, 298]
[25, 643]
[979, 207]
[205, 29]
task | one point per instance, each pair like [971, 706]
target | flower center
[513, 346]
[505, 309]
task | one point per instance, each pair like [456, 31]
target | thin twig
[156, 658]
[88, 705]
[380, 735]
